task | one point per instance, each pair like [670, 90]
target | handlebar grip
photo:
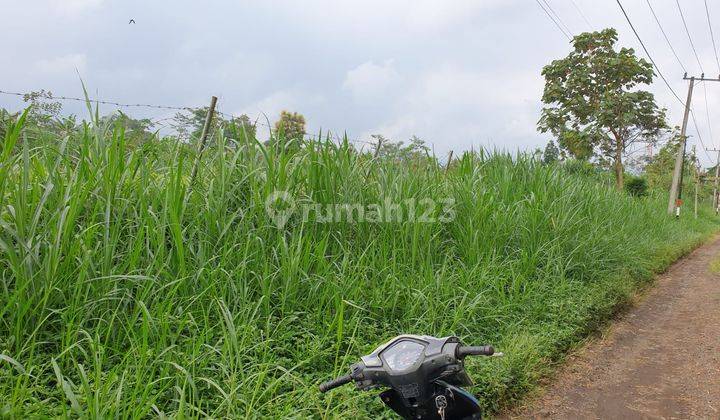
[327, 386]
[475, 351]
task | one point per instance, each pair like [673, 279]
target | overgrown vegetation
[636, 186]
[126, 293]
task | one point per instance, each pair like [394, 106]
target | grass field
[124, 293]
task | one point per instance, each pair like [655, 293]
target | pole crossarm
[702, 78]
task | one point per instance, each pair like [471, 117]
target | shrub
[636, 186]
[579, 167]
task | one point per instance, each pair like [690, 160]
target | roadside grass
[126, 295]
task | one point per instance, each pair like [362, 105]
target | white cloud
[63, 64]
[457, 86]
[377, 18]
[269, 107]
[454, 107]
[435, 14]
[370, 80]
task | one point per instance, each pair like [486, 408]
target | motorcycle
[423, 375]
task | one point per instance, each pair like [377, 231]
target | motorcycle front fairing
[416, 369]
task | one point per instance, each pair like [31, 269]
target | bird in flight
[131, 21]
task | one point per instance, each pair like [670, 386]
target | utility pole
[675, 200]
[717, 174]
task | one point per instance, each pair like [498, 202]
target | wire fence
[98, 101]
[162, 121]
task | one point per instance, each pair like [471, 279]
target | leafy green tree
[289, 131]
[44, 117]
[658, 170]
[551, 153]
[240, 129]
[415, 150]
[384, 147]
[136, 131]
[189, 124]
[592, 102]
[44, 109]
[290, 126]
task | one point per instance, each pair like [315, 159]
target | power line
[707, 114]
[648, 54]
[697, 130]
[582, 14]
[666, 37]
[660, 73]
[682, 16]
[98, 101]
[707, 107]
[717, 61]
[712, 36]
[553, 20]
[558, 17]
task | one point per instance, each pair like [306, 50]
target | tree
[550, 155]
[593, 105]
[240, 129]
[44, 109]
[189, 125]
[289, 131]
[290, 126]
[416, 150]
[658, 170]
[136, 131]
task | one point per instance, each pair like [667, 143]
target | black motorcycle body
[423, 375]
[460, 404]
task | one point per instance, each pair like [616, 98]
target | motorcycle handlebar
[475, 351]
[327, 386]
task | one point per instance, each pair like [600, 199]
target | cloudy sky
[456, 73]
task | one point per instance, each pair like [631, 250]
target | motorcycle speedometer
[403, 354]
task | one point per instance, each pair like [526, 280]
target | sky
[459, 74]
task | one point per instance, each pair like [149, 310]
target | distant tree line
[288, 132]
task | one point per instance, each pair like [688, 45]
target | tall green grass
[124, 293]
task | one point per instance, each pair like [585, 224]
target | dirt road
[661, 360]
